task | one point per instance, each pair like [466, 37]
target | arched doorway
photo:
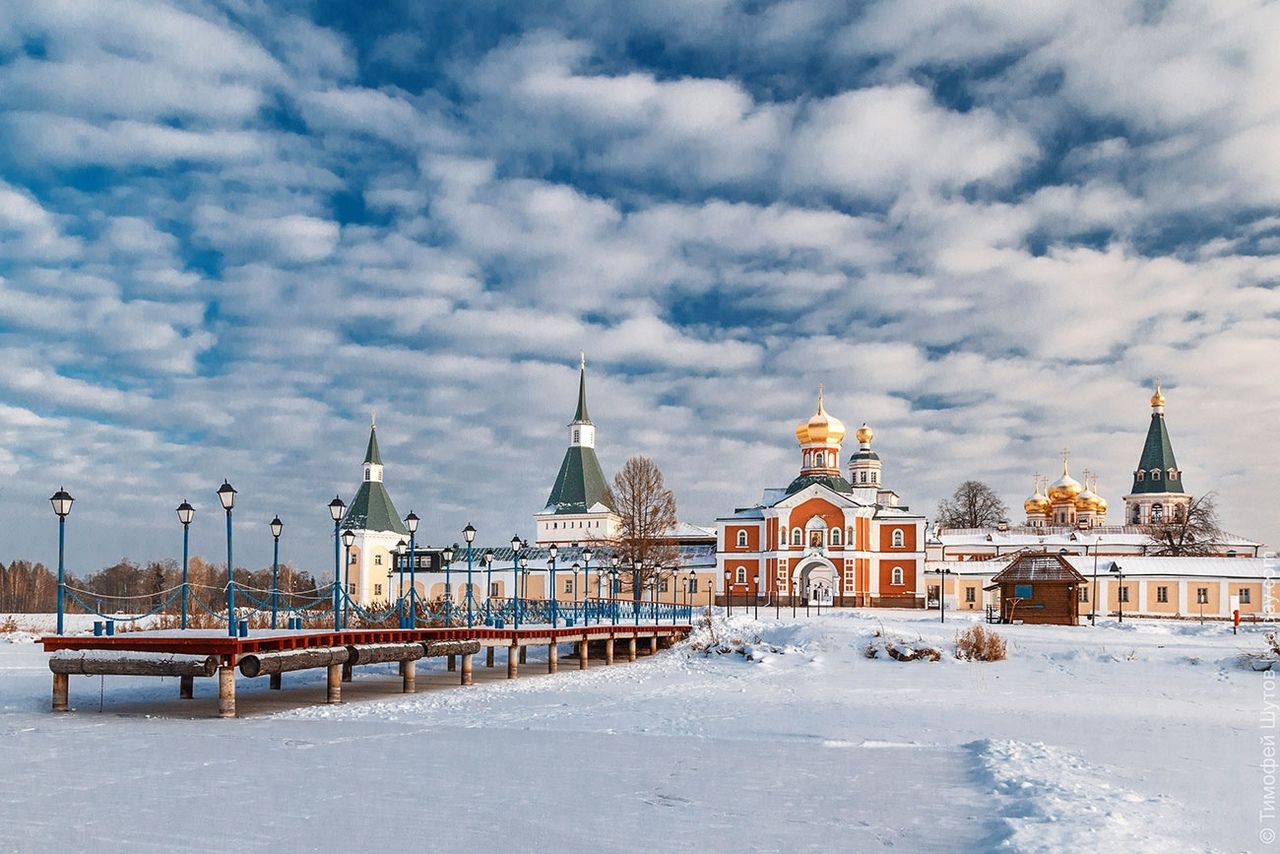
[814, 581]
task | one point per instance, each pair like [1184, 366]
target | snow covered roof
[1022, 535]
[1225, 568]
[1039, 567]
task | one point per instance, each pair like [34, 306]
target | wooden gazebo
[1039, 588]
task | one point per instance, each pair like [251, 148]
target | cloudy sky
[228, 231]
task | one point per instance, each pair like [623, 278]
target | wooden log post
[631, 648]
[513, 662]
[335, 684]
[453, 663]
[274, 681]
[61, 690]
[553, 658]
[409, 670]
[582, 654]
[524, 652]
[346, 671]
[227, 691]
[653, 644]
[488, 657]
[608, 650]
[466, 669]
[186, 687]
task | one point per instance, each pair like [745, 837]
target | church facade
[824, 538]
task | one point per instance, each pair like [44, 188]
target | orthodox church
[580, 508]
[378, 529]
[823, 538]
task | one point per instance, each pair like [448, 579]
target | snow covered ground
[1140, 737]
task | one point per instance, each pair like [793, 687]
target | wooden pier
[193, 654]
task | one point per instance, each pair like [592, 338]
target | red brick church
[825, 539]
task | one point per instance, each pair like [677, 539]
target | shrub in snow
[900, 650]
[977, 643]
[1266, 659]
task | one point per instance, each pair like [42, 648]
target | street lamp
[348, 539]
[524, 574]
[601, 574]
[515, 578]
[691, 588]
[1115, 567]
[469, 534]
[638, 593]
[227, 495]
[411, 522]
[587, 555]
[185, 514]
[577, 567]
[487, 560]
[551, 554]
[336, 509]
[277, 527]
[657, 576]
[614, 560]
[402, 556]
[447, 554]
[942, 593]
[61, 501]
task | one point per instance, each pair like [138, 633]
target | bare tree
[972, 505]
[1190, 531]
[648, 512]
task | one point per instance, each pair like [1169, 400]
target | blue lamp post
[469, 534]
[185, 514]
[411, 522]
[551, 560]
[601, 574]
[487, 560]
[398, 562]
[613, 587]
[587, 554]
[515, 577]
[61, 502]
[577, 567]
[638, 593]
[276, 528]
[227, 495]
[524, 574]
[657, 577]
[336, 509]
[448, 586]
[348, 539]
[691, 588]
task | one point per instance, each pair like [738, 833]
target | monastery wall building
[1069, 519]
[824, 539]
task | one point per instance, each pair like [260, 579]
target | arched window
[1157, 513]
[835, 536]
[1155, 474]
[742, 539]
[897, 538]
[849, 538]
[366, 474]
[806, 459]
[1137, 513]
[896, 577]
[864, 477]
[742, 575]
[797, 537]
[1141, 475]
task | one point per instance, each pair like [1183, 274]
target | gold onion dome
[1089, 501]
[865, 434]
[1157, 399]
[1036, 504]
[1065, 488]
[821, 429]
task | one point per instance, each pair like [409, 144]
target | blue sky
[229, 231]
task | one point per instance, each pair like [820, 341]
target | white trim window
[741, 577]
[742, 539]
[898, 538]
[895, 577]
[797, 537]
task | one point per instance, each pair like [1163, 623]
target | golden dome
[1065, 488]
[865, 434]
[1088, 501]
[1102, 506]
[1157, 399]
[1037, 504]
[821, 429]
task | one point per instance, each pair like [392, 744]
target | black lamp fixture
[227, 495]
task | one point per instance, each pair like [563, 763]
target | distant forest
[132, 588]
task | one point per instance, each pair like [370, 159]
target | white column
[1183, 602]
[1142, 596]
[1224, 599]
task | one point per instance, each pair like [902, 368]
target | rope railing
[120, 618]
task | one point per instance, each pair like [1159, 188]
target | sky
[229, 231]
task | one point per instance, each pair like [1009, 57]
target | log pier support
[227, 690]
[524, 653]
[346, 671]
[409, 670]
[334, 694]
[631, 648]
[61, 690]
[513, 662]
[553, 658]
[608, 650]
[274, 681]
[582, 654]
[453, 663]
[488, 657]
[186, 687]
[653, 644]
[466, 668]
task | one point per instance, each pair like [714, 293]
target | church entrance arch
[814, 580]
